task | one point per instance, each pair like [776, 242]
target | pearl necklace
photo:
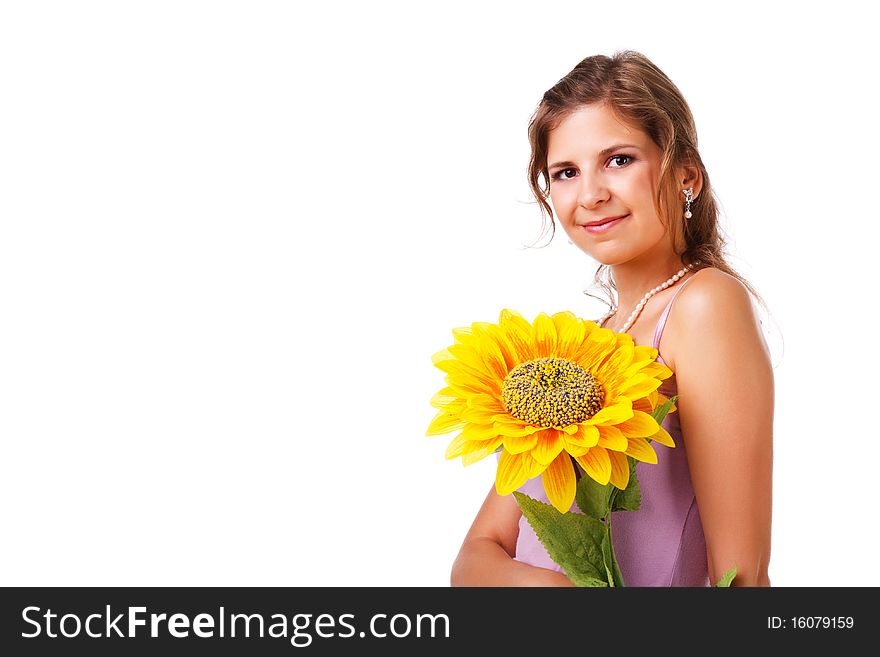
[635, 313]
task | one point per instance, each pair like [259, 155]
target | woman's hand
[536, 576]
[486, 557]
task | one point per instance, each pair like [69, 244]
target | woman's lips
[606, 226]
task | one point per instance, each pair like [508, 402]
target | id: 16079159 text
[810, 623]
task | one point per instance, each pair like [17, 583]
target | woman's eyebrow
[602, 153]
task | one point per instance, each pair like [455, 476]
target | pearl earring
[689, 196]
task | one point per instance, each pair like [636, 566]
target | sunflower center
[551, 392]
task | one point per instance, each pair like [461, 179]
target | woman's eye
[620, 157]
[560, 175]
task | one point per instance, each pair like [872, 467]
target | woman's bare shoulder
[725, 381]
[714, 303]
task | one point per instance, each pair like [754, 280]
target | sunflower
[548, 393]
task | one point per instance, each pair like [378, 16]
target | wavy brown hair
[640, 95]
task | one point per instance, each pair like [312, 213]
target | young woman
[616, 146]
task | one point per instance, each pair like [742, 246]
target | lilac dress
[661, 544]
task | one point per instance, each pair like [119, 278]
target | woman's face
[600, 168]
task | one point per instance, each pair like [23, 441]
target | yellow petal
[639, 386]
[612, 438]
[549, 445]
[519, 334]
[478, 415]
[614, 414]
[545, 336]
[511, 359]
[575, 449]
[470, 356]
[511, 474]
[465, 386]
[458, 367]
[598, 345]
[663, 438]
[619, 360]
[507, 314]
[493, 358]
[643, 361]
[445, 397]
[644, 352]
[513, 429]
[456, 447]
[559, 482]
[644, 404]
[473, 431]
[472, 446]
[479, 451]
[441, 357]
[470, 363]
[641, 450]
[444, 422]
[465, 335]
[597, 464]
[640, 425]
[586, 436]
[520, 444]
[624, 374]
[657, 370]
[619, 469]
[486, 402]
[570, 332]
[534, 468]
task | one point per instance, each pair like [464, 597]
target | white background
[233, 234]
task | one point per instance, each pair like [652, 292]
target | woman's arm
[486, 555]
[725, 382]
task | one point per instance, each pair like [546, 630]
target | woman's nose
[592, 192]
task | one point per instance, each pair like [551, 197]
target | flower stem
[615, 568]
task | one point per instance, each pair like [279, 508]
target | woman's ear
[691, 176]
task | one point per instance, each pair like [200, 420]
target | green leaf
[573, 540]
[727, 578]
[662, 410]
[629, 499]
[593, 498]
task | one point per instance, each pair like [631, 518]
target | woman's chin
[601, 255]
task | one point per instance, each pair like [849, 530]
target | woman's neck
[635, 279]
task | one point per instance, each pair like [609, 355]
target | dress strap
[662, 323]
